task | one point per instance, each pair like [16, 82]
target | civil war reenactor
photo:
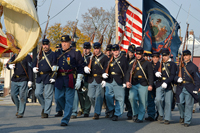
[45, 81]
[164, 85]
[83, 97]
[115, 83]
[108, 50]
[130, 59]
[187, 88]
[140, 81]
[151, 111]
[96, 70]
[20, 82]
[70, 63]
[58, 46]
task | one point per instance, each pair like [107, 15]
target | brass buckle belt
[20, 76]
[41, 73]
[138, 77]
[185, 82]
[95, 75]
[114, 73]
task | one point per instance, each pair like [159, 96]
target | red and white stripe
[3, 41]
[133, 22]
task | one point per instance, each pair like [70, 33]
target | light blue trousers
[75, 104]
[46, 100]
[138, 100]
[64, 98]
[163, 102]
[186, 105]
[96, 95]
[21, 89]
[117, 93]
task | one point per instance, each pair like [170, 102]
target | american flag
[3, 42]
[131, 18]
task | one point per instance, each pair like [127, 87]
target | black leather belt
[185, 82]
[95, 75]
[114, 73]
[65, 73]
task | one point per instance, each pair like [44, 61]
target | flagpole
[116, 20]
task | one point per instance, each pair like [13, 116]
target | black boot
[59, 114]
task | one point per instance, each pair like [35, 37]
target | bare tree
[99, 18]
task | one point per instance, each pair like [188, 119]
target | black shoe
[149, 119]
[115, 118]
[107, 116]
[96, 116]
[139, 121]
[59, 114]
[19, 116]
[45, 115]
[166, 122]
[111, 113]
[129, 118]
[73, 117]
[186, 125]
[63, 124]
[126, 109]
[86, 115]
[160, 118]
[181, 120]
[42, 113]
[135, 117]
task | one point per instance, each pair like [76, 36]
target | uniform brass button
[41, 64]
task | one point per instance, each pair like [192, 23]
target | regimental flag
[22, 26]
[159, 27]
[131, 18]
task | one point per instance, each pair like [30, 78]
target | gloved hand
[55, 68]
[35, 69]
[158, 74]
[78, 81]
[52, 80]
[87, 69]
[11, 66]
[105, 75]
[180, 80]
[164, 85]
[30, 84]
[103, 84]
[124, 86]
[195, 92]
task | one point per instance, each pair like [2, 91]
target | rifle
[132, 69]
[181, 60]
[108, 66]
[90, 63]
[92, 37]
[40, 50]
[74, 32]
[122, 37]
[142, 43]
[101, 38]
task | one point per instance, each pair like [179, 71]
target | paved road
[32, 123]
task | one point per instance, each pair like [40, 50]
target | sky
[70, 13]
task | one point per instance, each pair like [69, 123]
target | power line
[186, 11]
[58, 12]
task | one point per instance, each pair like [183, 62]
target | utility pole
[34, 57]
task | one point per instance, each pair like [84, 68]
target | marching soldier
[70, 63]
[83, 97]
[141, 82]
[164, 87]
[95, 88]
[20, 81]
[115, 83]
[187, 88]
[44, 81]
[151, 94]
[108, 50]
[130, 59]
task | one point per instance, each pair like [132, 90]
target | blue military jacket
[45, 72]
[117, 68]
[70, 63]
[97, 68]
[171, 66]
[190, 86]
[155, 69]
[19, 73]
